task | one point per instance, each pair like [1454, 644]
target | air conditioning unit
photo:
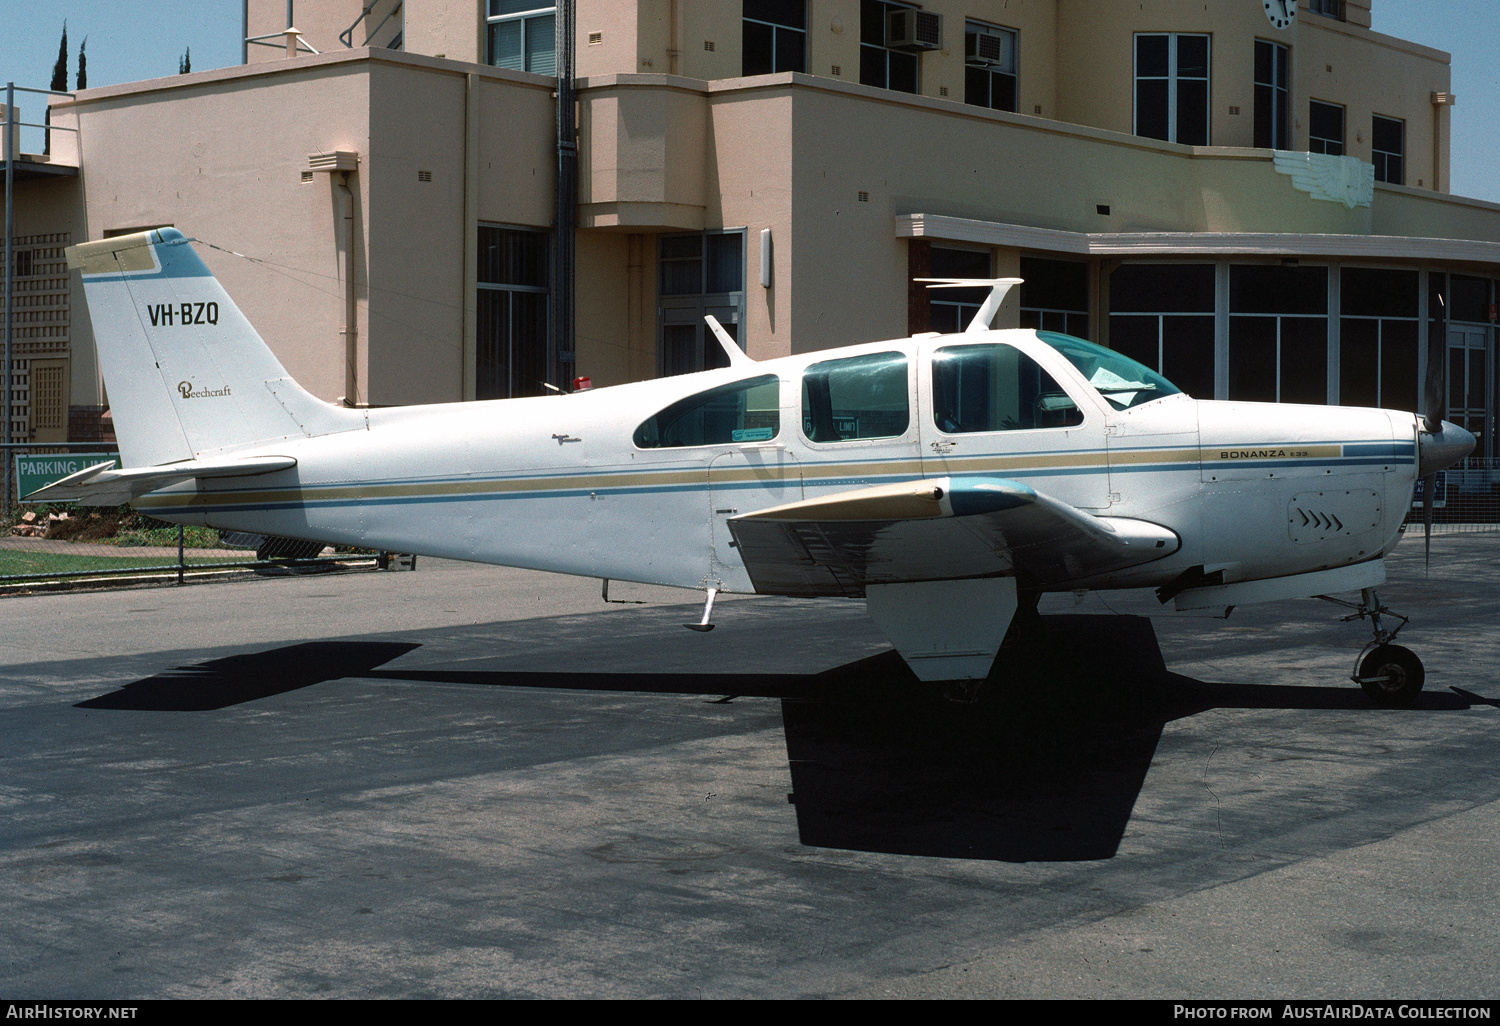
[983, 50]
[909, 29]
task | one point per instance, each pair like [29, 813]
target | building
[1251, 197]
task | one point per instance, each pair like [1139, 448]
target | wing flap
[100, 485]
[936, 529]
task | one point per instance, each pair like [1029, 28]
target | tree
[60, 69]
[185, 65]
[83, 65]
[59, 84]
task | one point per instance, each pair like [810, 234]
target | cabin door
[989, 409]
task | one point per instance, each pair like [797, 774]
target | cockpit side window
[745, 411]
[996, 388]
[856, 397]
[1120, 380]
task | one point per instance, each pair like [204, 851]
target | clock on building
[1281, 13]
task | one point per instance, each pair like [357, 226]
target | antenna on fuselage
[737, 356]
[998, 288]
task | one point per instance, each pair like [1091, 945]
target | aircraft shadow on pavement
[1045, 767]
[220, 683]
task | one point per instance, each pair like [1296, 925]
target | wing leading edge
[932, 530]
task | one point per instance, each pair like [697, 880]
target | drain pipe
[344, 163]
[350, 330]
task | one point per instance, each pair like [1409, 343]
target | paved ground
[475, 782]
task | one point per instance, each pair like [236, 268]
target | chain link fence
[54, 545]
[1467, 499]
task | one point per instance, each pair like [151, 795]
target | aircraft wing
[101, 485]
[936, 529]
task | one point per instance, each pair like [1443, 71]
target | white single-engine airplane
[945, 479]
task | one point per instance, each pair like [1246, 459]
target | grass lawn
[15, 562]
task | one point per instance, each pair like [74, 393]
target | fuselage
[575, 484]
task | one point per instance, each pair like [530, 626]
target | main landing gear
[1391, 675]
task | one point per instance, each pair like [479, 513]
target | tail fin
[187, 375]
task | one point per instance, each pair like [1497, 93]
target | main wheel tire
[1391, 676]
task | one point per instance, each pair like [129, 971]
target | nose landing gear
[1391, 675]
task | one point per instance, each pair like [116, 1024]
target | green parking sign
[33, 472]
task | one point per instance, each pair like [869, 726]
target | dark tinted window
[1378, 292]
[745, 411]
[1468, 298]
[996, 388]
[857, 397]
[1272, 288]
[1162, 288]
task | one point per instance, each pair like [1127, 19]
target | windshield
[1123, 382]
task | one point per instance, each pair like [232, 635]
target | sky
[129, 40]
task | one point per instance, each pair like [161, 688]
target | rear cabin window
[745, 411]
[996, 388]
[857, 397]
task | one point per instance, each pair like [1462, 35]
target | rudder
[187, 374]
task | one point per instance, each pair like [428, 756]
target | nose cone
[1441, 449]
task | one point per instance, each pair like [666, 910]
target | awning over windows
[1198, 244]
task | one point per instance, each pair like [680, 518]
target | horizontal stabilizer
[936, 529]
[100, 485]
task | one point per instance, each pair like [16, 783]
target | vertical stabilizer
[187, 374]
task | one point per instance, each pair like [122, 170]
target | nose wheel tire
[1391, 676]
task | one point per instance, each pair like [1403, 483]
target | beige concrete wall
[192, 152]
[610, 350]
[415, 271]
[517, 161]
[441, 28]
[1420, 213]
[1369, 73]
[319, 21]
[643, 140]
[617, 25]
[751, 187]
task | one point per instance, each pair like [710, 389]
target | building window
[1171, 87]
[1273, 105]
[511, 321]
[522, 35]
[879, 65]
[698, 275]
[1325, 128]
[1327, 8]
[1278, 334]
[1055, 296]
[990, 66]
[1162, 315]
[1388, 143]
[953, 309]
[1378, 338]
[775, 36]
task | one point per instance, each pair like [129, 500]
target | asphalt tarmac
[475, 782]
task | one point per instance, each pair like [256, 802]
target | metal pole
[565, 220]
[179, 554]
[10, 189]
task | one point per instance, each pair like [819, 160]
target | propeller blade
[1434, 409]
[1434, 387]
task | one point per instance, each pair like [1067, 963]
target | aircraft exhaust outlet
[1441, 449]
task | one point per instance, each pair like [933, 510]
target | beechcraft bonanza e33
[947, 480]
